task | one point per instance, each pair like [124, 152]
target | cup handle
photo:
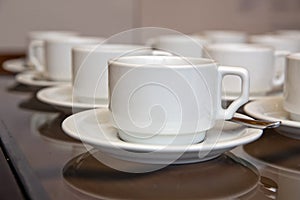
[278, 77]
[33, 46]
[242, 99]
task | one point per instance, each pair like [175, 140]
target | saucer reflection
[48, 125]
[278, 158]
[18, 87]
[33, 104]
[277, 150]
[224, 177]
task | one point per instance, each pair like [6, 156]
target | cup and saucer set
[274, 93]
[157, 109]
[164, 110]
[35, 54]
[161, 109]
[49, 54]
[285, 108]
[84, 70]
[16, 65]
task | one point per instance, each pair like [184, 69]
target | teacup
[58, 53]
[289, 32]
[169, 99]
[89, 69]
[291, 87]
[179, 45]
[35, 51]
[278, 42]
[259, 60]
[225, 36]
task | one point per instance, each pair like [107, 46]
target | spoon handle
[260, 124]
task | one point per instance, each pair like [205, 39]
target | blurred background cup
[179, 45]
[279, 43]
[89, 69]
[36, 42]
[169, 99]
[291, 86]
[259, 60]
[225, 36]
[58, 55]
[289, 32]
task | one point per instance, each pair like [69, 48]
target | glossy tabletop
[51, 165]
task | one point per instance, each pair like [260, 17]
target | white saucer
[61, 97]
[95, 128]
[15, 65]
[272, 109]
[34, 78]
[274, 93]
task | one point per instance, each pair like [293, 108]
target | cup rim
[294, 56]
[180, 38]
[190, 62]
[218, 33]
[88, 48]
[239, 47]
[75, 39]
[272, 38]
[43, 34]
[289, 31]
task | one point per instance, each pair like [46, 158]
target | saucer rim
[251, 109]
[42, 96]
[7, 65]
[249, 136]
[272, 93]
[26, 78]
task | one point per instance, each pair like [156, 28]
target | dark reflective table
[50, 165]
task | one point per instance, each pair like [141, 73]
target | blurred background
[108, 17]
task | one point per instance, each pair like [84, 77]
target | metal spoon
[260, 124]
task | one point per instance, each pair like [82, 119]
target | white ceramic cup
[169, 99]
[225, 36]
[259, 60]
[179, 45]
[58, 55]
[291, 87]
[279, 43]
[89, 69]
[35, 51]
[289, 32]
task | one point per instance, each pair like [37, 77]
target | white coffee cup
[35, 51]
[291, 86]
[89, 69]
[179, 45]
[58, 57]
[169, 99]
[278, 42]
[259, 60]
[225, 36]
[289, 32]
